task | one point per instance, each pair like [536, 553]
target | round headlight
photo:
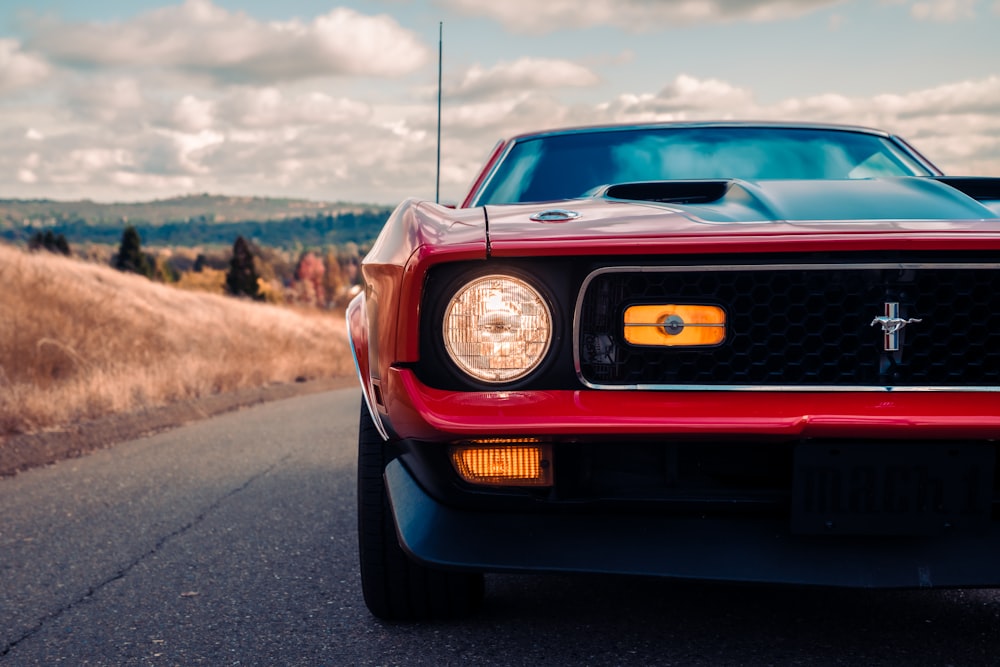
[497, 328]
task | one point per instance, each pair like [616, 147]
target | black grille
[801, 326]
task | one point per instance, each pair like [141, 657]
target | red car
[751, 352]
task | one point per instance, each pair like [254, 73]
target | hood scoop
[670, 192]
[904, 198]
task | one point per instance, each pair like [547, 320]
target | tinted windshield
[566, 166]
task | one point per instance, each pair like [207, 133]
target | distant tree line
[323, 278]
[308, 231]
[204, 207]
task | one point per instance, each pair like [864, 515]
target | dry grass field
[80, 341]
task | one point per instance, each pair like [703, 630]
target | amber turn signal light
[500, 462]
[675, 325]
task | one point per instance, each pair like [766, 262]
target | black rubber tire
[395, 587]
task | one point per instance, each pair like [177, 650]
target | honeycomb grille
[800, 326]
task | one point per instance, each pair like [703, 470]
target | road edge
[31, 450]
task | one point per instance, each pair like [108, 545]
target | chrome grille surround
[826, 308]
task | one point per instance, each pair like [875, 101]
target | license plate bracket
[892, 488]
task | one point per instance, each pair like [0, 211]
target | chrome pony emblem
[555, 215]
[891, 324]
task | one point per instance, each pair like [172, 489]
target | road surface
[231, 541]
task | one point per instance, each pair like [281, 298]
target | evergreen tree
[61, 245]
[241, 279]
[54, 243]
[130, 257]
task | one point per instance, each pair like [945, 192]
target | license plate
[892, 489]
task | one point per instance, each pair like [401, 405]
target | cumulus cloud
[522, 75]
[191, 148]
[111, 141]
[202, 38]
[192, 114]
[269, 141]
[107, 100]
[944, 10]
[269, 108]
[964, 97]
[531, 16]
[685, 94]
[19, 69]
[956, 125]
[111, 111]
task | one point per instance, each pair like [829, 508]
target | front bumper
[739, 549]
[414, 410]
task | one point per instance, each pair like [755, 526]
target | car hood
[744, 208]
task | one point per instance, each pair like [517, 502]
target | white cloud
[679, 99]
[981, 97]
[532, 16]
[19, 69]
[107, 100]
[202, 38]
[272, 108]
[133, 108]
[957, 125]
[239, 140]
[944, 10]
[130, 181]
[190, 148]
[312, 145]
[522, 75]
[192, 114]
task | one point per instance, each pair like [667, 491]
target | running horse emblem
[892, 324]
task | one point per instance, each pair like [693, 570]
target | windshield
[570, 165]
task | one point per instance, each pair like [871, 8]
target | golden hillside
[80, 341]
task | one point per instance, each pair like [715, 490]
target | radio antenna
[437, 184]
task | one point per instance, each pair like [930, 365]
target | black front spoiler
[719, 549]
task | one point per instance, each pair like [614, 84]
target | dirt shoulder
[31, 450]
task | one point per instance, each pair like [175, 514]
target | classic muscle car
[752, 352]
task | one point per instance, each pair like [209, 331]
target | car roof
[620, 127]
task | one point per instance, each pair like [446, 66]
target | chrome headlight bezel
[497, 328]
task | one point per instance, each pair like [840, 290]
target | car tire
[395, 587]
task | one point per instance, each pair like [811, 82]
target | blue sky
[122, 100]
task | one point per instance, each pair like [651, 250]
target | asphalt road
[231, 542]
